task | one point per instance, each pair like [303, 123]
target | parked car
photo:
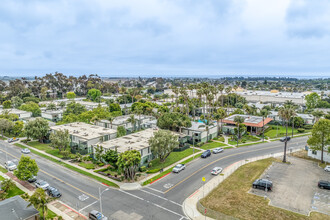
[216, 170]
[327, 168]
[285, 138]
[52, 191]
[10, 165]
[32, 179]
[323, 184]
[218, 150]
[263, 184]
[178, 168]
[12, 139]
[95, 215]
[206, 154]
[41, 184]
[26, 151]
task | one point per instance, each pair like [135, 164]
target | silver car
[327, 168]
[216, 170]
[41, 184]
[26, 151]
[9, 165]
[95, 215]
[178, 168]
[217, 150]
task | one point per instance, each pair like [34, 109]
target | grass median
[231, 197]
[70, 167]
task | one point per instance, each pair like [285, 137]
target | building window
[314, 152]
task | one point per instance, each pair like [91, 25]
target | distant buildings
[22, 115]
[308, 119]
[52, 115]
[200, 133]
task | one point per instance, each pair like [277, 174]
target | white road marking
[152, 203]
[156, 190]
[168, 185]
[83, 197]
[88, 205]
[161, 197]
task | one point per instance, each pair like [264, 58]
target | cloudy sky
[165, 38]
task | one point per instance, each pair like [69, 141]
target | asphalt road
[160, 200]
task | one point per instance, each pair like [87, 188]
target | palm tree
[238, 120]
[221, 88]
[228, 90]
[264, 113]
[219, 116]
[139, 111]
[286, 113]
[132, 120]
[39, 200]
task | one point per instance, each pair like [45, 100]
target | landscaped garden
[244, 139]
[46, 148]
[276, 131]
[212, 145]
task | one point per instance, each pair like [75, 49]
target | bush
[222, 139]
[100, 164]
[153, 171]
[73, 156]
[143, 169]
[308, 126]
[301, 130]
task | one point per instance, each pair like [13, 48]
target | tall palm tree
[239, 120]
[264, 113]
[228, 90]
[132, 120]
[220, 89]
[39, 200]
[286, 113]
[219, 116]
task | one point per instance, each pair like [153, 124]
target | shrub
[301, 130]
[100, 164]
[143, 169]
[153, 171]
[73, 156]
[308, 126]
[222, 139]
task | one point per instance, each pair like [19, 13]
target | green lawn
[87, 165]
[174, 157]
[46, 148]
[71, 167]
[3, 170]
[50, 214]
[14, 191]
[212, 145]
[246, 139]
[281, 131]
[231, 197]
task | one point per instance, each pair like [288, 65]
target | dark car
[323, 184]
[263, 184]
[52, 191]
[32, 179]
[285, 138]
[206, 154]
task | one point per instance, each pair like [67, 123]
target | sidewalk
[189, 205]
[61, 209]
[72, 164]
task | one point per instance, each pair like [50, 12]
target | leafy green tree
[162, 144]
[173, 121]
[219, 116]
[5, 125]
[111, 157]
[7, 184]
[18, 127]
[121, 131]
[37, 129]
[298, 122]
[114, 107]
[31, 107]
[98, 151]
[71, 95]
[312, 100]
[74, 108]
[239, 120]
[31, 99]
[286, 113]
[60, 139]
[317, 114]
[26, 168]
[129, 162]
[320, 136]
[94, 94]
[39, 200]
[51, 106]
[62, 104]
[6, 104]
[132, 120]
[16, 101]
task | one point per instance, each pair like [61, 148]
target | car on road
[26, 151]
[41, 184]
[327, 168]
[178, 168]
[32, 179]
[12, 139]
[217, 150]
[206, 154]
[263, 184]
[10, 165]
[95, 215]
[216, 170]
[52, 191]
[323, 184]
[285, 138]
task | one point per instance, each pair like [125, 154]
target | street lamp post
[100, 197]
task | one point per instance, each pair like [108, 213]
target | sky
[189, 38]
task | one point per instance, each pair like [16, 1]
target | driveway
[295, 186]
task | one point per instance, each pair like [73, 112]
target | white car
[327, 168]
[41, 184]
[216, 170]
[26, 151]
[178, 168]
[218, 150]
[9, 165]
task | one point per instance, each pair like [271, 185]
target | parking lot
[295, 186]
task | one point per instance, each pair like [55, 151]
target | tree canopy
[162, 144]
[173, 121]
[129, 162]
[37, 129]
[94, 94]
[70, 95]
[26, 168]
[312, 100]
[31, 107]
[60, 139]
